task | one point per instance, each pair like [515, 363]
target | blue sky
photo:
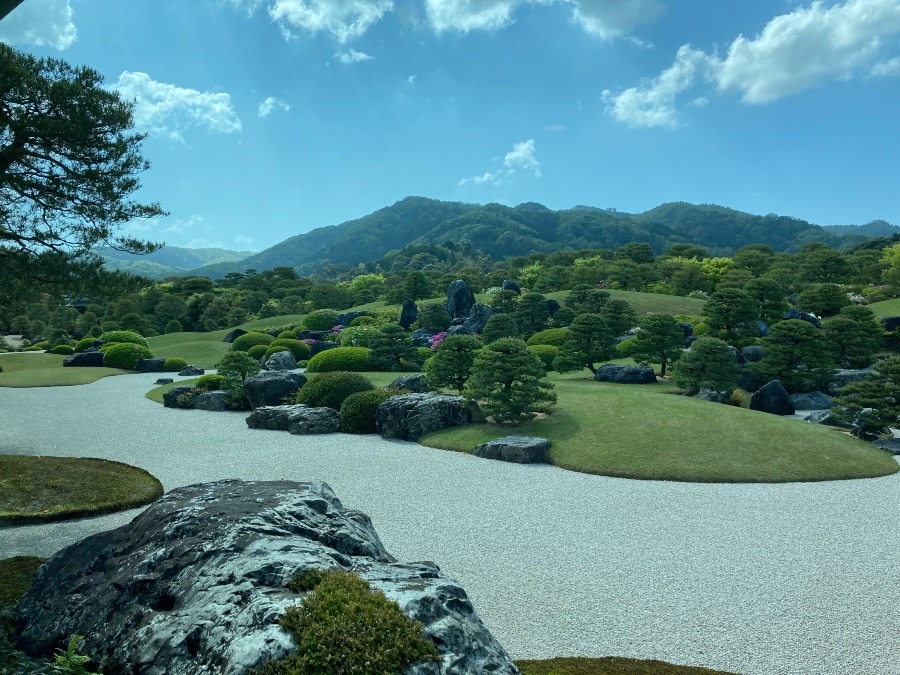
[267, 118]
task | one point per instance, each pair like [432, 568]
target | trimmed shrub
[352, 359]
[293, 345]
[551, 336]
[287, 335]
[65, 350]
[329, 390]
[173, 365]
[257, 351]
[546, 353]
[85, 343]
[243, 342]
[209, 382]
[358, 336]
[124, 355]
[174, 326]
[364, 320]
[358, 411]
[124, 336]
[321, 319]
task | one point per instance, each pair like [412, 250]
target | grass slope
[609, 665]
[886, 307]
[647, 432]
[199, 349]
[648, 303]
[43, 489]
[28, 369]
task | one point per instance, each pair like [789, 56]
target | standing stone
[234, 334]
[459, 300]
[272, 387]
[477, 318]
[552, 306]
[772, 398]
[408, 314]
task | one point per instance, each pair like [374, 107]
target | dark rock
[741, 361]
[315, 421]
[749, 380]
[813, 401]
[170, 398]
[552, 306]
[164, 380]
[510, 285]
[712, 395]
[192, 371]
[408, 314]
[689, 340]
[274, 417]
[762, 327]
[313, 334]
[346, 318]
[625, 374]
[233, 335]
[518, 449]
[280, 361]
[84, 360]
[753, 353]
[459, 299]
[794, 313]
[459, 329]
[890, 322]
[151, 365]
[214, 401]
[843, 377]
[421, 337]
[274, 332]
[477, 318]
[272, 387]
[891, 445]
[411, 416]
[414, 383]
[772, 398]
[196, 584]
[687, 328]
[320, 346]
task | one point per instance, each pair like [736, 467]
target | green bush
[124, 336]
[174, 326]
[329, 390]
[244, 342]
[65, 350]
[321, 319]
[40, 346]
[124, 355]
[364, 320]
[257, 351]
[299, 349]
[343, 626]
[551, 336]
[85, 343]
[353, 359]
[358, 411]
[358, 336]
[209, 382]
[546, 353]
[173, 365]
[287, 335]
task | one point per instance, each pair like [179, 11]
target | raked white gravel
[793, 579]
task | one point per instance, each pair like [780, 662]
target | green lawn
[886, 307]
[28, 369]
[16, 577]
[609, 665]
[648, 432]
[644, 303]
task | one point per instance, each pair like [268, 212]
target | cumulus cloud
[344, 19]
[182, 225]
[353, 56]
[890, 68]
[244, 241]
[522, 156]
[794, 52]
[40, 23]
[611, 19]
[169, 109]
[270, 105]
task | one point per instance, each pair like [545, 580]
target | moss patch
[16, 576]
[43, 489]
[609, 665]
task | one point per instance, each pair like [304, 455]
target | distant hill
[503, 231]
[169, 261]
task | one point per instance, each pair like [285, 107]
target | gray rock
[215, 401]
[478, 316]
[741, 361]
[280, 361]
[815, 400]
[346, 318]
[408, 314]
[762, 327]
[320, 346]
[234, 334]
[411, 416]
[421, 337]
[753, 353]
[170, 398]
[274, 417]
[772, 398]
[151, 365]
[822, 417]
[195, 584]
[712, 395]
[794, 313]
[191, 371]
[518, 449]
[460, 329]
[414, 383]
[891, 445]
[272, 387]
[459, 299]
[510, 285]
[84, 360]
[315, 421]
[843, 377]
[621, 374]
[313, 334]
[164, 380]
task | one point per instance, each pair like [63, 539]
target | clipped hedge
[173, 365]
[124, 336]
[352, 359]
[124, 355]
[552, 336]
[65, 350]
[329, 390]
[258, 351]
[244, 342]
[358, 411]
[210, 382]
[85, 343]
[320, 319]
[299, 349]
[546, 353]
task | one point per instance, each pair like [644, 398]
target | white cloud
[794, 52]
[268, 106]
[466, 15]
[40, 23]
[182, 225]
[169, 109]
[890, 68]
[520, 157]
[608, 19]
[411, 79]
[344, 19]
[353, 56]
[243, 240]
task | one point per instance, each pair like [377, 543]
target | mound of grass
[199, 349]
[156, 394]
[648, 432]
[46, 370]
[43, 489]
[609, 665]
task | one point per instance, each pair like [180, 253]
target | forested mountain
[169, 260]
[502, 231]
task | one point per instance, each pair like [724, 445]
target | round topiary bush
[124, 355]
[286, 335]
[124, 336]
[293, 345]
[551, 336]
[546, 353]
[85, 343]
[173, 365]
[358, 411]
[65, 350]
[329, 390]
[209, 382]
[352, 359]
[244, 342]
[258, 351]
[321, 319]
[174, 326]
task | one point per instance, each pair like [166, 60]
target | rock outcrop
[815, 400]
[517, 449]
[191, 371]
[272, 387]
[411, 416]
[772, 398]
[459, 300]
[280, 361]
[196, 584]
[84, 360]
[625, 374]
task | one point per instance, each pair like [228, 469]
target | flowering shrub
[358, 336]
[436, 340]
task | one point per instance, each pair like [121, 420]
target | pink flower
[436, 340]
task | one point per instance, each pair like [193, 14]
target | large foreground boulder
[411, 416]
[517, 449]
[315, 421]
[772, 398]
[84, 360]
[625, 374]
[195, 584]
[275, 417]
[272, 387]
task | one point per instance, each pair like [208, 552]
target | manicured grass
[886, 307]
[156, 394]
[16, 576]
[200, 349]
[37, 489]
[645, 303]
[46, 370]
[609, 665]
[647, 432]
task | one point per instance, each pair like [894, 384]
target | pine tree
[451, 364]
[710, 363]
[797, 354]
[660, 340]
[873, 404]
[390, 346]
[589, 341]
